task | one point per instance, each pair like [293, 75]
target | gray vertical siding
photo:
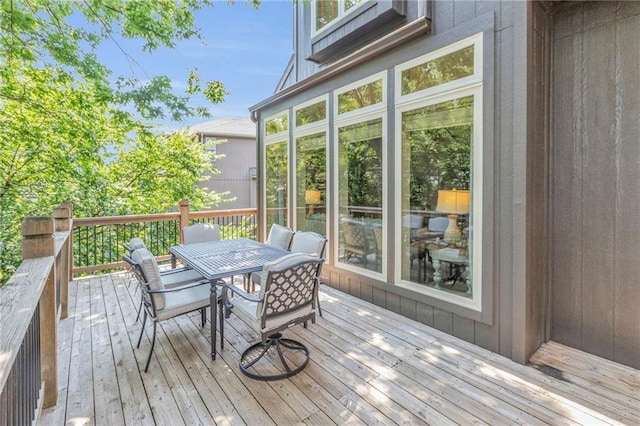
[596, 173]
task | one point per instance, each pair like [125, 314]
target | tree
[68, 134]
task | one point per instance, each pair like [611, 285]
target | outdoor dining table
[215, 260]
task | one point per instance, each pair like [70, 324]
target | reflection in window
[311, 114]
[436, 177]
[360, 97]
[451, 67]
[360, 194]
[329, 10]
[311, 182]
[276, 183]
[276, 125]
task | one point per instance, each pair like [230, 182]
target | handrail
[30, 303]
[98, 240]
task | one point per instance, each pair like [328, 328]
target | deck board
[368, 366]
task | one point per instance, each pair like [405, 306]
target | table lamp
[454, 203]
[311, 198]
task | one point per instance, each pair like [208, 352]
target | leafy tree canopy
[70, 131]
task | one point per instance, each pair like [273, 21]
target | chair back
[354, 233]
[438, 224]
[288, 293]
[134, 244]
[200, 233]
[148, 269]
[308, 242]
[279, 236]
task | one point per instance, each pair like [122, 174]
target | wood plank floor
[368, 366]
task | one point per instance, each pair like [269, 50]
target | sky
[245, 48]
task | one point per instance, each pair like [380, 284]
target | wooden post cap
[184, 202]
[37, 233]
[61, 216]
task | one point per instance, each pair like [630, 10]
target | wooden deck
[368, 366]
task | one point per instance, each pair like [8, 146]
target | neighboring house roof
[228, 127]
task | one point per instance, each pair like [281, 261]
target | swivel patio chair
[286, 299]
[308, 242]
[162, 303]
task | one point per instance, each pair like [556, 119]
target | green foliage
[68, 135]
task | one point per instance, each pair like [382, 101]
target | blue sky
[246, 49]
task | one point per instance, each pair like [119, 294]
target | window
[439, 158]
[361, 176]
[325, 12]
[211, 148]
[276, 170]
[310, 135]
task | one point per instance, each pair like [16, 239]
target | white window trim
[341, 14]
[269, 140]
[343, 122]
[303, 105]
[476, 77]
[475, 302]
[368, 109]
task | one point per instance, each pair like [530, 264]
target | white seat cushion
[200, 233]
[151, 272]
[308, 242]
[183, 301]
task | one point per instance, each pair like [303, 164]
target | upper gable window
[276, 125]
[445, 69]
[359, 97]
[311, 113]
[327, 11]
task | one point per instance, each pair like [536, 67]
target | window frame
[467, 86]
[333, 23]
[317, 127]
[279, 137]
[369, 113]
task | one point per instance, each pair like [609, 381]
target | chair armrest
[225, 298]
[179, 288]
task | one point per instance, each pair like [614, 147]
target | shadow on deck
[368, 365]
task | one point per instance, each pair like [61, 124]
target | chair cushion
[200, 233]
[246, 310]
[308, 242]
[151, 272]
[181, 302]
[280, 236]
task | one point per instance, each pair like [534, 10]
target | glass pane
[311, 182]
[311, 114]
[444, 69]
[348, 4]
[360, 195]
[436, 177]
[276, 125]
[276, 183]
[326, 11]
[360, 97]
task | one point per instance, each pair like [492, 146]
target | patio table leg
[213, 300]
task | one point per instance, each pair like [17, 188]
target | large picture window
[439, 157]
[276, 170]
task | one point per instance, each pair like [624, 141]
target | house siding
[514, 323]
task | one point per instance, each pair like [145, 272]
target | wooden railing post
[38, 241]
[69, 206]
[184, 216]
[62, 223]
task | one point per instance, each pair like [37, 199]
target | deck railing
[98, 241]
[30, 303]
[53, 249]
